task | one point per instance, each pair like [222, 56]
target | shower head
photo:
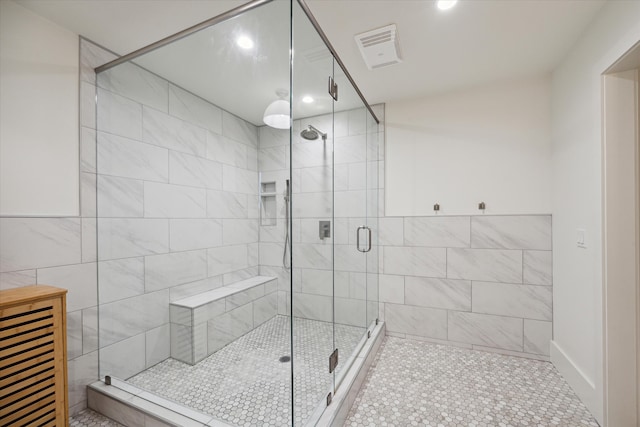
[311, 134]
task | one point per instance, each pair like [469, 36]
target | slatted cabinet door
[33, 374]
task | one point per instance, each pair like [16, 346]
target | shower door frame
[336, 57]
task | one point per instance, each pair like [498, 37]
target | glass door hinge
[333, 89]
[333, 361]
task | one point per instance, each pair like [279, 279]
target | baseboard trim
[579, 382]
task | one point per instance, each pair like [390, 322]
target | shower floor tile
[245, 384]
[89, 418]
[414, 383]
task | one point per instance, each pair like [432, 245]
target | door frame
[621, 240]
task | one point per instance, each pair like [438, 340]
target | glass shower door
[334, 165]
[355, 207]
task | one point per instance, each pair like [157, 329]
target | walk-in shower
[200, 300]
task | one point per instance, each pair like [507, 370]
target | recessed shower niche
[216, 292]
[268, 203]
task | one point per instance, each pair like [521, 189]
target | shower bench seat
[204, 323]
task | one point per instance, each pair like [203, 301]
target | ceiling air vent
[379, 47]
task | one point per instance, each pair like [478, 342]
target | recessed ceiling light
[307, 99]
[244, 42]
[446, 4]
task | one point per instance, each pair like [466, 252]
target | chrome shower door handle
[368, 240]
[363, 227]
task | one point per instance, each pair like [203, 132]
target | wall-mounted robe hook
[436, 207]
[482, 206]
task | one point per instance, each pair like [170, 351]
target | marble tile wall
[481, 282]
[202, 324]
[62, 251]
[169, 209]
[355, 149]
[177, 212]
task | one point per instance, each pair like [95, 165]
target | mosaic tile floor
[413, 383]
[89, 418]
[245, 383]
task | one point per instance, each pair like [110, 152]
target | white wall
[620, 251]
[577, 197]
[488, 144]
[38, 115]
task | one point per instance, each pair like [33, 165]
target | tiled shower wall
[177, 209]
[357, 160]
[62, 251]
[482, 282]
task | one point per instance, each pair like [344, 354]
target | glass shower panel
[186, 310]
[199, 301]
[313, 220]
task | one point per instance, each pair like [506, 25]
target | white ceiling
[478, 41]
[210, 63]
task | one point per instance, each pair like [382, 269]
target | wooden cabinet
[33, 357]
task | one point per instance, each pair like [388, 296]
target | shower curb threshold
[336, 414]
[132, 406]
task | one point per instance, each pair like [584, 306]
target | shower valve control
[324, 229]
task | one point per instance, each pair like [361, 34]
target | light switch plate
[580, 238]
